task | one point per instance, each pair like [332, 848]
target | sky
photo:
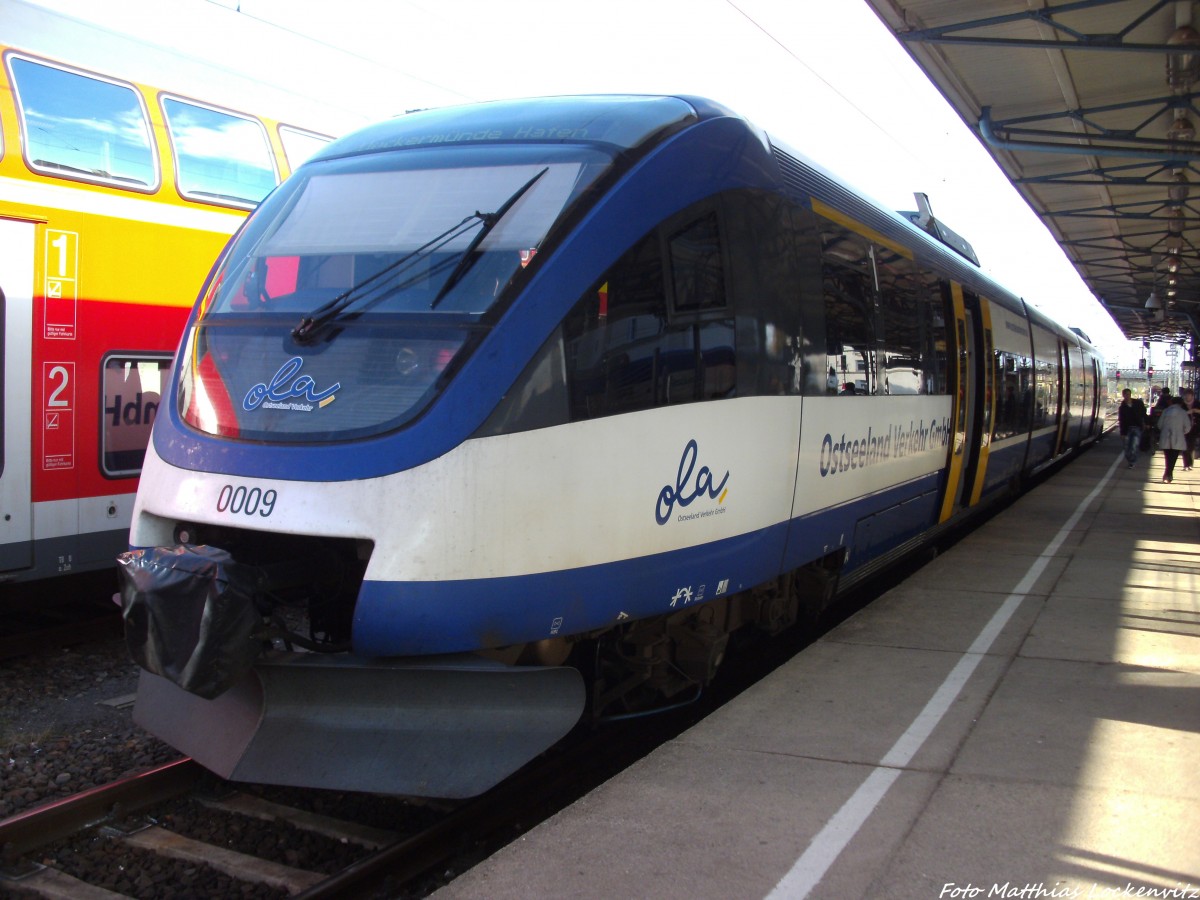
[825, 77]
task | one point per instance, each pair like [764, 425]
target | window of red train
[300, 145]
[220, 157]
[133, 389]
[83, 127]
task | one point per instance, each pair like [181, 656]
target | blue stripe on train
[411, 618]
[406, 618]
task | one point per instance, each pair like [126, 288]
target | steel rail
[34, 828]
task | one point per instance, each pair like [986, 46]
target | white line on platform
[825, 848]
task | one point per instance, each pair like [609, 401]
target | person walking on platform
[1131, 419]
[1189, 452]
[1164, 400]
[1173, 426]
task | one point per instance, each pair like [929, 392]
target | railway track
[177, 831]
[138, 837]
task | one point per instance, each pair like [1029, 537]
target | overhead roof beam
[1158, 106]
[1103, 175]
[1082, 145]
[1120, 211]
[1107, 41]
[1095, 42]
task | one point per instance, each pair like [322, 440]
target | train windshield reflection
[389, 239]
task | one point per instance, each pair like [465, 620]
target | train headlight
[185, 533]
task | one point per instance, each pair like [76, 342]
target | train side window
[1045, 397]
[625, 350]
[1025, 387]
[1044, 381]
[850, 334]
[697, 276]
[902, 360]
[299, 145]
[774, 277]
[133, 387]
[220, 157]
[83, 127]
[1009, 396]
[709, 370]
[615, 336]
[936, 354]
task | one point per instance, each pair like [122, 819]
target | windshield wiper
[313, 321]
[490, 221]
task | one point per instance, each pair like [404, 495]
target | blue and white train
[495, 413]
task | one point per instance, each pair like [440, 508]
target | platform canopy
[1090, 109]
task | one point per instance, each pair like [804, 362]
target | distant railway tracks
[44, 615]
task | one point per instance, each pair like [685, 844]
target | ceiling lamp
[1179, 188]
[1181, 130]
[1172, 263]
[1183, 68]
[1153, 303]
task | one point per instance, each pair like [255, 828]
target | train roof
[635, 122]
[623, 121]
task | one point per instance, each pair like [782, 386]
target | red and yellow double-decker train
[116, 196]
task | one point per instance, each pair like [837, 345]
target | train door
[1064, 398]
[16, 347]
[973, 376]
[983, 400]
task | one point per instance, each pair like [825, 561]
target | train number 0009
[246, 501]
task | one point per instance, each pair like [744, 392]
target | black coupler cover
[190, 616]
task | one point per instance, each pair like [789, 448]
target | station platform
[1020, 718]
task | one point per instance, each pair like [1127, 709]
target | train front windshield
[362, 280]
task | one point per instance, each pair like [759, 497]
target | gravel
[66, 724]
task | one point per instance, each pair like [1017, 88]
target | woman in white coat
[1173, 427]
